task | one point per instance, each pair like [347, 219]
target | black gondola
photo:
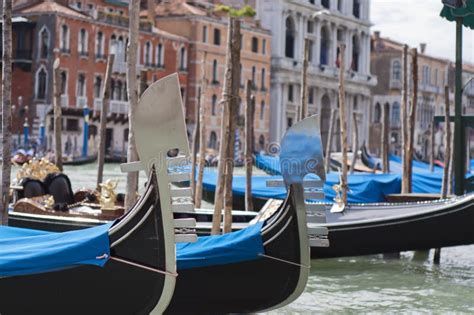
[118, 288]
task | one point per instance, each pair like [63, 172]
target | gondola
[81, 160]
[138, 277]
[262, 267]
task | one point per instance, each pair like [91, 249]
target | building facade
[326, 23]
[206, 31]
[433, 74]
[81, 34]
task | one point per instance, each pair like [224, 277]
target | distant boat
[80, 160]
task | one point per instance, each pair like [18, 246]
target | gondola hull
[117, 288]
[447, 224]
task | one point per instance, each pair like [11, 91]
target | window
[213, 105]
[44, 43]
[261, 142]
[81, 85]
[377, 113]
[99, 44]
[254, 79]
[41, 78]
[356, 8]
[160, 56]
[310, 50]
[290, 38]
[97, 87]
[396, 70]
[310, 27]
[325, 3]
[262, 110]
[214, 72]
[63, 83]
[311, 1]
[113, 45]
[339, 5]
[324, 53]
[395, 117]
[263, 80]
[290, 93]
[310, 96]
[72, 124]
[147, 54]
[264, 46]
[436, 77]
[119, 90]
[204, 34]
[64, 39]
[82, 44]
[182, 59]
[289, 122]
[255, 44]
[426, 75]
[355, 54]
[213, 140]
[217, 36]
[241, 76]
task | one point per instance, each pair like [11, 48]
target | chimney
[423, 47]
[377, 35]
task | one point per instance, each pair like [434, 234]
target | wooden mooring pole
[355, 142]
[343, 122]
[385, 138]
[404, 122]
[58, 148]
[202, 134]
[304, 79]
[332, 124]
[249, 121]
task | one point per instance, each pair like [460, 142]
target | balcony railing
[118, 107]
[97, 104]
[64, 100]
[81, 101]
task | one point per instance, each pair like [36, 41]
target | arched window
[81, 85]
[113, 87]
[213, 105]
[41, 78]
[182, 59]
[64, 38]
[263, 80]
[217, 36]
[63, 83]
[160, 55]
[290, 93]
[395, 117]
[82, 44]
[255, 44]
[97, 87]
[147, 54]
[355, 53]
[213, 140]
[325, 3]
[44, 43]
[119, 90]
[99, 44]
[214, 72]
[113, 46]
[324, 49]
[261, 142]
[377, 113]
[396, 70]
[290, 38]
[262, 110]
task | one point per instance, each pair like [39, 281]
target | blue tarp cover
[24, 251]
[243, 245]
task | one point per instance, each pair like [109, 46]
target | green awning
[467, 13]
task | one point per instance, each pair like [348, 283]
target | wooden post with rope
[343, 122]
[304, 78]
[355, 142]
[103, 119]
[202, 134]
[385, 138]
[412, 119]
[58, 151]
[404, 122]
[332, 124]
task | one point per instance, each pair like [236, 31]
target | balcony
[64, 100]
[97, 104]
[120, 67]
[81, 101]
[118, 107]
[395, 84]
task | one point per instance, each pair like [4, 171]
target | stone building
[326, 23]
[432, 77]
[81, 34]
[206, 31]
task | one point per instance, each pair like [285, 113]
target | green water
[364, 284]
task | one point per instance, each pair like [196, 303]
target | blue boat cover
[24, 251]
[243, 245]
[364, 188]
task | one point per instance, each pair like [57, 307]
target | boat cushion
[25, 251]
[235, 247]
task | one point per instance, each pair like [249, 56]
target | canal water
[364, 284]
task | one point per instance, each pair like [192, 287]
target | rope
[285, 261]
[166, 273]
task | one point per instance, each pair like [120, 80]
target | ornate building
[326, 23]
